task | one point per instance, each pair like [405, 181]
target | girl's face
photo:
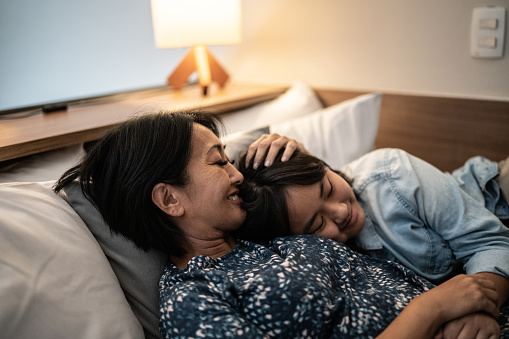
[328, 208]
[212, 203]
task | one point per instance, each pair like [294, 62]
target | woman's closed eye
[224, 163]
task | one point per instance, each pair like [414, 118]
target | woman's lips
[235, 198]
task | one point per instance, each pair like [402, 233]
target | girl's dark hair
[120, 170]
[264, 193]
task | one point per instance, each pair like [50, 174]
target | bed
[63, 273]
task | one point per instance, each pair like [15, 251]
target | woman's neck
[199, 247]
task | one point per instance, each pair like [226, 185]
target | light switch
[487, 42]
[488, 23]
[487, 32]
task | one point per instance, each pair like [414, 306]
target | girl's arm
[501, 286]
[476, 236]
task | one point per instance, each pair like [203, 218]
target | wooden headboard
[442, 131]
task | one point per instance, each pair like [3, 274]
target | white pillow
[55, 281]
[337, 134]
[300, 99]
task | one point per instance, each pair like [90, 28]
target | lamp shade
[180, 23]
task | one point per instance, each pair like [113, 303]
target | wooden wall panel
[442, 131]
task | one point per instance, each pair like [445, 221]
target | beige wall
[409, 46]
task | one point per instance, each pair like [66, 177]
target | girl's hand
[265, 149]
[425, 315]
[462, 295]
[472, 326]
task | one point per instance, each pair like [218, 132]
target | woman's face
[328, 208]
[212, 203]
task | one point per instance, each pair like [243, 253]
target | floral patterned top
[292, 287]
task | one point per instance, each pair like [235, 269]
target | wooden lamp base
[201, 60]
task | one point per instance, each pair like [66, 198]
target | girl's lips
[353, 218]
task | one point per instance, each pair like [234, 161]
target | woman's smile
[212, 195]
[235, 198]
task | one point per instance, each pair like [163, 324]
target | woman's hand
[265, 149]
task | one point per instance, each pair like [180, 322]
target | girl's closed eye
[319, 227]
[331, 189]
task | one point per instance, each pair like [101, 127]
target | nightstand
[88, 121]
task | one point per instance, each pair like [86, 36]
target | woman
[164, 182]
[400, 208]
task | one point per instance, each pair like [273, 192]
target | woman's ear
[165, 197]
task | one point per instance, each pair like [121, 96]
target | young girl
[399, 208]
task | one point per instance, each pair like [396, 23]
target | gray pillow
[137, 271]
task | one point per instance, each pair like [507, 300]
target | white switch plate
[488, 24]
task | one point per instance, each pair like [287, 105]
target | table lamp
[196, 23]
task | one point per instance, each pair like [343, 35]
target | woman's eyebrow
[311, 220]
[219, 147]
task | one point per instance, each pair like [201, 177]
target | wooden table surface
[89, 121]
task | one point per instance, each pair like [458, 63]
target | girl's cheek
[331, 233]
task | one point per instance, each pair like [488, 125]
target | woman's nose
[236, 177]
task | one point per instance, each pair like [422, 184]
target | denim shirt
[477, 177]
[419, 216]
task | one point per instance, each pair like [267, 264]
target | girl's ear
[165, 197]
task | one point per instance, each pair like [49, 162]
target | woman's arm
[459, 296]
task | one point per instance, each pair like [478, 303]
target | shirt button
[444, 244]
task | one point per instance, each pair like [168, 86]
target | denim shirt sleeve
[419, 214]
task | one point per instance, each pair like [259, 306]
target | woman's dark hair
[264, 193]
[120, 170]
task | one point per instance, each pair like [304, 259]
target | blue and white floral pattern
[293, 287]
